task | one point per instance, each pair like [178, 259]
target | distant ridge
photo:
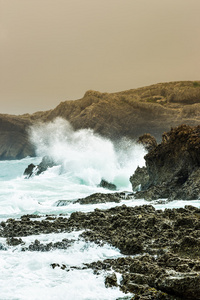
[152, 109]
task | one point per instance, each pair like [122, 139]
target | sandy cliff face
[153, 109]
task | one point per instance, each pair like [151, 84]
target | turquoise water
[83, 159]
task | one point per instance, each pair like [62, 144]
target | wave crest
[85, 155]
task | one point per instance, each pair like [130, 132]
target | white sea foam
[29, 275]
[83, 158]
[86, 157]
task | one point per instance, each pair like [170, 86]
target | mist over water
[86, 156]
[83, 158]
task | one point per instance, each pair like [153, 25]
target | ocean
[83, 159]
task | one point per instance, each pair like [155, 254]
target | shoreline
[160, 248]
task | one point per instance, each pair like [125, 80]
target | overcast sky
[55, 50]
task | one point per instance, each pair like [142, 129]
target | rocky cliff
[14, 141]
[172, 168]
[153, 109]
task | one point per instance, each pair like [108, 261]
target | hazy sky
[55, 50]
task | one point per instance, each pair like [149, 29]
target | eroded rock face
[173, 167]
[139, 179]
[148, 141]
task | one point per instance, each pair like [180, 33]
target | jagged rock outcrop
[153, 109]
[107, 185]
[173, 167]
[148, 141]
[139, 179]
[32, 169]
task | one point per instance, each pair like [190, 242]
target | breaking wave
[86, 156]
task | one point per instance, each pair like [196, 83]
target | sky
[56, 50]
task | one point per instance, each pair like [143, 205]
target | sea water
[83, 159]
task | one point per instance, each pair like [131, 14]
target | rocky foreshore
[160, 247]
[172, 168]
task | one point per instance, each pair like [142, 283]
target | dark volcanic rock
[148, 141]
[103, 198]
[46, 163]
[173, 167]
[167, 244]
[11, 241]
[107, 185]
[37, 246]
[29, 171]
[111, 280]
[186, 286]
[146, 276]
[140, 178]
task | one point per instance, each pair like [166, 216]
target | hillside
[153, 109]
[14, 141]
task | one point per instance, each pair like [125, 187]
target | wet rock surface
[145, 275]
[38, 246]
[161, 248]
[103, 198]
[97, 198]
[139, 179]
[47, 162]
[172, 168]
[107, 185]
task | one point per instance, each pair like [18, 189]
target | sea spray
[85, 156]
[83, 159]
[29, 275]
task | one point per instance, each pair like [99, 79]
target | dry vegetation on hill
[153, 109]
